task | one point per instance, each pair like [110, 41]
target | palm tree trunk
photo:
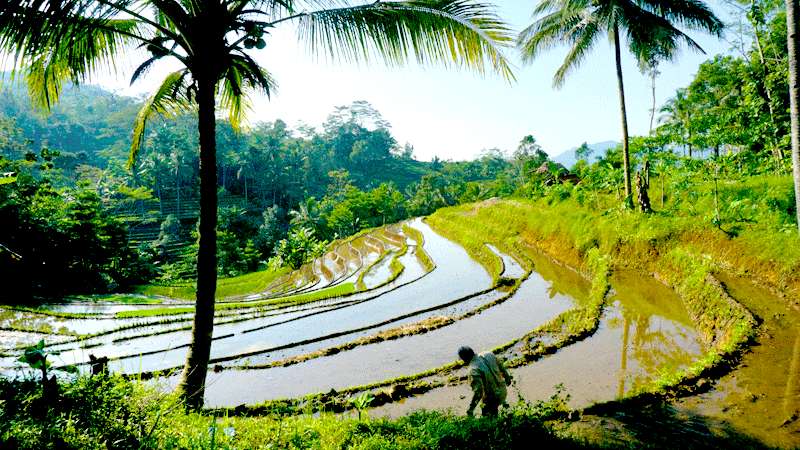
[625, 153]
[177, 192]
[792, 13]
[192, 385]
[653, 91]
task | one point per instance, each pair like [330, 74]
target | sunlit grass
[226, 287]
[334, 291]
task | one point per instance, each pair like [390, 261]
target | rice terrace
[182, 268]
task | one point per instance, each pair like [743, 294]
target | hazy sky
[456, 114]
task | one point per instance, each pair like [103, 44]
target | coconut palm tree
[792, 17]
[648, 26]
[55, 41]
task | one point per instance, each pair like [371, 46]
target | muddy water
[406, 299]
[762, 395]
[451, 311]
[531, 306]
[644, 330]
[113, 349]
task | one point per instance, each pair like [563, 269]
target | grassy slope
[681, 248]
[226, 287]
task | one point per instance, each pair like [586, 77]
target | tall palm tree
[55, 41]
[649, 26]
[792, 17]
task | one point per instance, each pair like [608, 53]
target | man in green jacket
[488, 379]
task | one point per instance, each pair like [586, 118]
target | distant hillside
[87, 121]
[567, 158]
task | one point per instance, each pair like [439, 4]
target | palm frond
[647, 32]
[692, 14]
[582, 44]
[242, 77]
[450, 32]
[74, 59]
[59, 41]
[547, 32]
[171, 98]
[144, 68]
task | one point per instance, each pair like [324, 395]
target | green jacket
[488, 378]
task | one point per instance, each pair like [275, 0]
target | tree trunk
[192, 387]
[653, 91]
[177, 192]
[625, 155]
[792, 13]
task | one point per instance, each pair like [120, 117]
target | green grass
[94, 412]
[226, 287]
[51, 313]
[339, 290]
[753, 238]
[680, 248]
[360, 283]
[117, 298]
[239, 285]
[422, 255]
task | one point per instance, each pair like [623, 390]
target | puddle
[643, 331]
[530, 307]
[762, 395]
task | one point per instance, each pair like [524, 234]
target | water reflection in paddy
[762, 395]
[530, 307]
[457, 276]
[644, 331]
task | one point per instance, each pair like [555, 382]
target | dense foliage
[275, 183]
[110, 412]
[738, 101]
[58, 239]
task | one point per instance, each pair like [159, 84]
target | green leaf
[7, 180]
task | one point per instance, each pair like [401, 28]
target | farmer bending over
[488, 379]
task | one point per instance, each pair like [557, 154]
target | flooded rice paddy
[643, 332]
[762, 396]
[290, 339]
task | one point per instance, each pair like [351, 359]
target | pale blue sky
[456, 114]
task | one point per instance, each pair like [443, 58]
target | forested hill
[282, 191]
[89, 123]
[92, 126]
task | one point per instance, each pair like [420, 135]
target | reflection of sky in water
[527, 309]
[643, 331]
[458, 276]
